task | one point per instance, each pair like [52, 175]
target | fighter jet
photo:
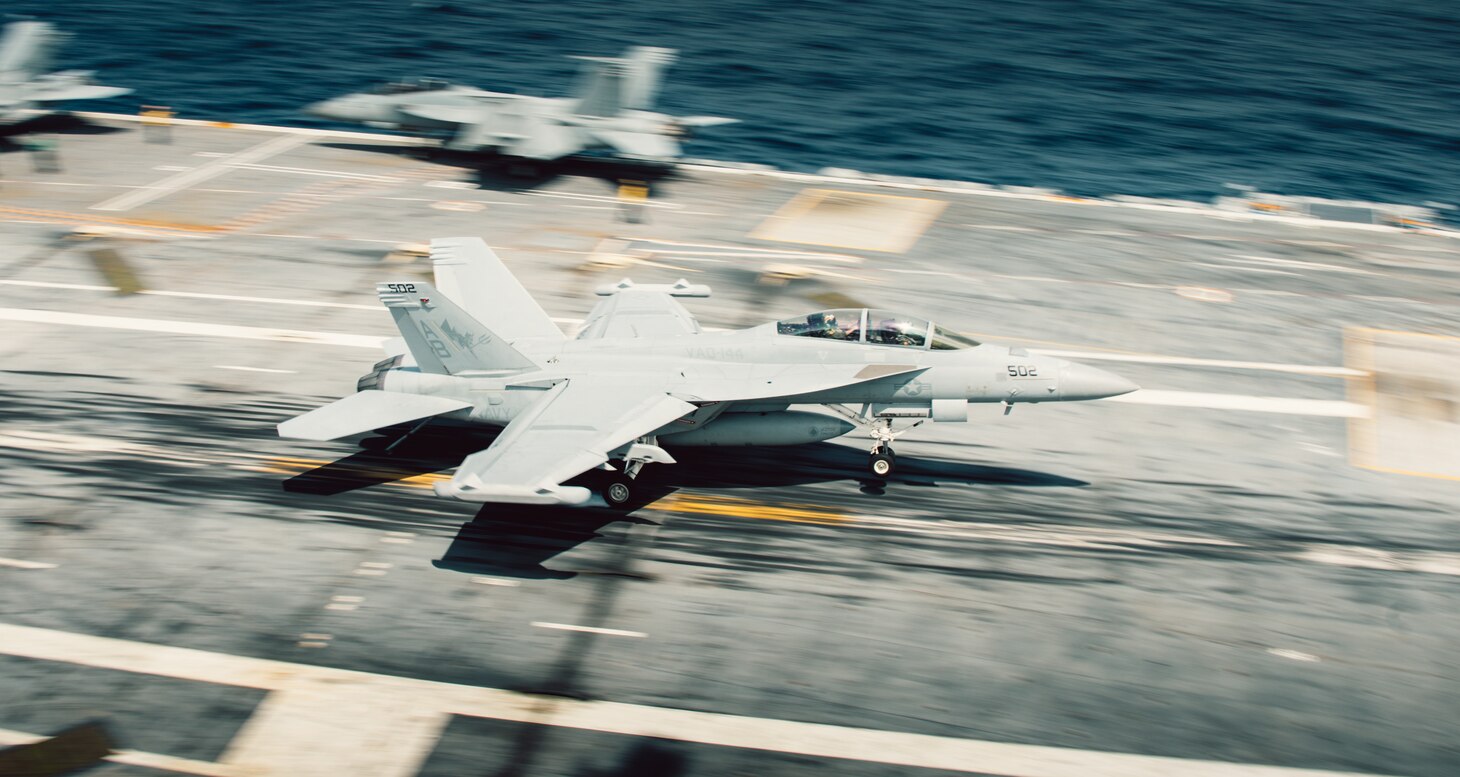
[642, 378]
[611, 111]
[25, 56]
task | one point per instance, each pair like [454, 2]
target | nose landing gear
[883, 461]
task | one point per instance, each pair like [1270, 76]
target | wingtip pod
[572, 496]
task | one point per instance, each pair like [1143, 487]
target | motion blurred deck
[1249, 562]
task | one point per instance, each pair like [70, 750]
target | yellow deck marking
[64, 216]
[845, 219]
[744, 508]
[1362, 351]
[289, 465]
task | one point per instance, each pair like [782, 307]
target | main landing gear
[617, 485]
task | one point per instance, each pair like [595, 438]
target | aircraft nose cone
[339, 110]
[1080, 381]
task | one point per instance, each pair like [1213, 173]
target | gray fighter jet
[642, 377]
[610, 111]
[25, 86]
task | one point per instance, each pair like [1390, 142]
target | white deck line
[190, 328]
[1319, 407]
[1140, 358]
[167, 763]
[17, 563]
[588, 629]
[197, 175]
[1147, 358]
[267, 737]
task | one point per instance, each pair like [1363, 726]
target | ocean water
[1351, 99]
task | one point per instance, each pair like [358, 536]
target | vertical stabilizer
[471, 274]
[26, 50]
[641, 84]
[600, 87]
[442, 337]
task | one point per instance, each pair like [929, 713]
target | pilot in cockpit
[821, 325]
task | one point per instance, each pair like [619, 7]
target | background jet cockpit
[409, 87]
[877, 327]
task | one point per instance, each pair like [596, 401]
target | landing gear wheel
[617, 491]
[882, 464]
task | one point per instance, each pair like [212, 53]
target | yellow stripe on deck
[389, 476]
[733, 507]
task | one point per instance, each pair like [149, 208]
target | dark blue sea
[1354, 99]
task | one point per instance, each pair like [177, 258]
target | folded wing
[571, 429]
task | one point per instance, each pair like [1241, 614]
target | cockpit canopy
[877, 327]
[409, 87]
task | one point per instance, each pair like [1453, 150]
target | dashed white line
[1001, 227]
[17, 563]
[325, 173]
[496, 581]
[1295, 655]
[1141, 358]
[1249, 258]
[1265, 270]
[199, 294]
[1316, 407]
[190, 328]
[251, 369]
[589, 629]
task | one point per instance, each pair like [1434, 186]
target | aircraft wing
[79, 91]
[544, 139]
[640, 144]
[364, 412]
[753, 382]
[571, 429]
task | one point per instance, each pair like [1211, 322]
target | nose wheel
[882, 462]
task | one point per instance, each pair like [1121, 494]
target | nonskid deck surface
[1249, 562]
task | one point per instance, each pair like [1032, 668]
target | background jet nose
[338, 109]
[1079, 381]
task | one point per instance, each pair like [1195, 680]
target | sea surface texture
[1358, 99]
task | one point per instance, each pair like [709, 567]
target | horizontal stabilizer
[79, 92]
[366, 412]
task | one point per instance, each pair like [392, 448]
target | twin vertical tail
[26, 50]
[442, 337]
[609, 85]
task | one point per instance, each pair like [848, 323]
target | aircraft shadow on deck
[52, 124]
[498, 173]
[517, 540]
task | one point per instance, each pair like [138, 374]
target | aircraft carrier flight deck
[1248, 567]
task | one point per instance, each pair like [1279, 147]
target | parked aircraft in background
[26, 50]
[642, 376]
[610, 111]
